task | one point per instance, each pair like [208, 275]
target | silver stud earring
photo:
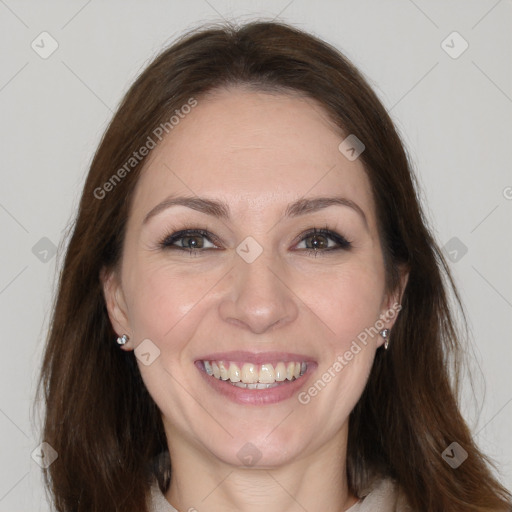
[122, 339]
[385, 334]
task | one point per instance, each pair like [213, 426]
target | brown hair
[99, 416]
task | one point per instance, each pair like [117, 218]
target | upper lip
[256, 357]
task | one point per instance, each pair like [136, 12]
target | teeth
[290, 370]
[254, 386]
[224, 372]
[234, 373]
[249, 373]
[253, 376]
[281, 372]
[267, 374]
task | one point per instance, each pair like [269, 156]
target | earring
[122, 339]
[385, 334]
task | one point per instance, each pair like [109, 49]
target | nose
[258, 297]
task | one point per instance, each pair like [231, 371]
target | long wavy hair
[99, 417]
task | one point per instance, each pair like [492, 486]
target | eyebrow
[221, 209]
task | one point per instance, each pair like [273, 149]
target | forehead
[252, 150]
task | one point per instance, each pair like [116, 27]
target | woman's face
[252, 293]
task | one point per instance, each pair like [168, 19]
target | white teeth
[249, 373]
[267, 374]
[234, 373]
[224, 372]
[281, 372]
[254, 386]
[253, 376]
[208, 367]
[290, 370]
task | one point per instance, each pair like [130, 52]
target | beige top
[384, 496]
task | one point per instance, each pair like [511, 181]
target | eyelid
[173, 236]
[343, 242]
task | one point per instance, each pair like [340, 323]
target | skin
[257, 152]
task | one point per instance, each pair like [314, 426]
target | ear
[116, 305]
[392, 302]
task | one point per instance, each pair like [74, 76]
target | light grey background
[454, 115]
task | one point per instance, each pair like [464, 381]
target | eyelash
[170, 239]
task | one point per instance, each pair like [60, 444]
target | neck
[317, 481]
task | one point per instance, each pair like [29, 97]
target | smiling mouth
[255, 376]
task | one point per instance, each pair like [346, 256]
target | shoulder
[157, 501]
[383, 495]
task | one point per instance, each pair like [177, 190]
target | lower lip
[257, 396]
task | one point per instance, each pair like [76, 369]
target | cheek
[348, 304]
[161, 298]
[347, 301]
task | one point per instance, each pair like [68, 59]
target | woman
[252, 311]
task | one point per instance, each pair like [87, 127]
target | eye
[314, 242]
[322, 240]
[192, 240]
